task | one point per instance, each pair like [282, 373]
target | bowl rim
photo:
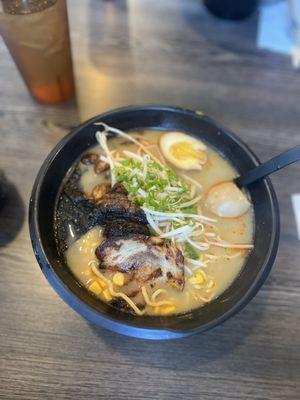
[111, 322]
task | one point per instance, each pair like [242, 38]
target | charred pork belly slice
[115, 204]
[123, 227]
[149, 258]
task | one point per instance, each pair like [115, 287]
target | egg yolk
[183, 150]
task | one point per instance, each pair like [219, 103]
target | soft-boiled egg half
[183, 151]
[226, 200]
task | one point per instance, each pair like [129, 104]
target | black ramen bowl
[241, 291]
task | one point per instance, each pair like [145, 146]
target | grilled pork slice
[123, 227]
[115, 204]
[148, 258]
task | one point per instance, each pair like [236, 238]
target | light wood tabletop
[140, 52]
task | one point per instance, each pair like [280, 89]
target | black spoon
[268, 167]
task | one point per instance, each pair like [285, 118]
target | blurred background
[177, 52]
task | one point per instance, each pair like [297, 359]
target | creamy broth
[216, 275]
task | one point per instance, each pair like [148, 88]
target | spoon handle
[268, 167]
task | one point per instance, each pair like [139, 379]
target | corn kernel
[167, 310]
[107, 295]
[199, 278]
[101, 283]
[95, 288]
[118, 279]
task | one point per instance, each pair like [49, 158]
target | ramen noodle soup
[152, 223]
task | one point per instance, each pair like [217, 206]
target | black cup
[3, 189]
[245, 286]
[231, 9]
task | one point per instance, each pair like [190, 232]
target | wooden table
[137, 52]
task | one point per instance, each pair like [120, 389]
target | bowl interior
[65, 154]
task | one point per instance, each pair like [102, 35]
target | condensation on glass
[37, 35]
